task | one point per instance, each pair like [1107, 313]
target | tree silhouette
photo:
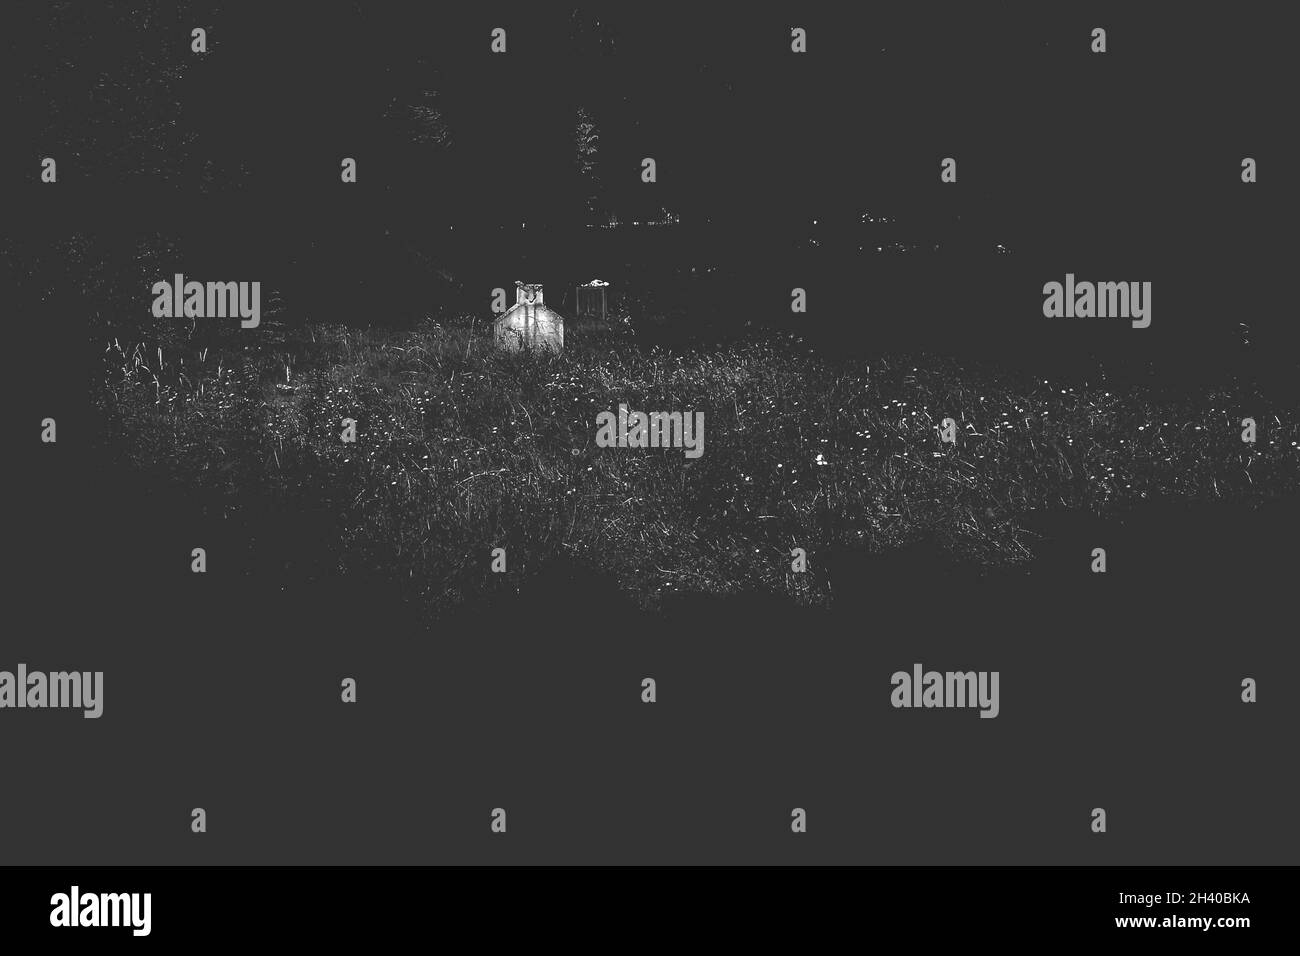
[586, 141]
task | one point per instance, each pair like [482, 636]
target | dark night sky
[1125, 162]
[735, 121]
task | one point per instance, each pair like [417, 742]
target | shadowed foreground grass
[461, 450]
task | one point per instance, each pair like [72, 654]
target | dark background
[1120, 691]
[1122, 166]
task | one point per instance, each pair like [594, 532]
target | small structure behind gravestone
[592, 300]
[529, 323]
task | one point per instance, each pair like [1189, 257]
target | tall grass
[462, 449]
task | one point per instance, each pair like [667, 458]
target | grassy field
[461, 449]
